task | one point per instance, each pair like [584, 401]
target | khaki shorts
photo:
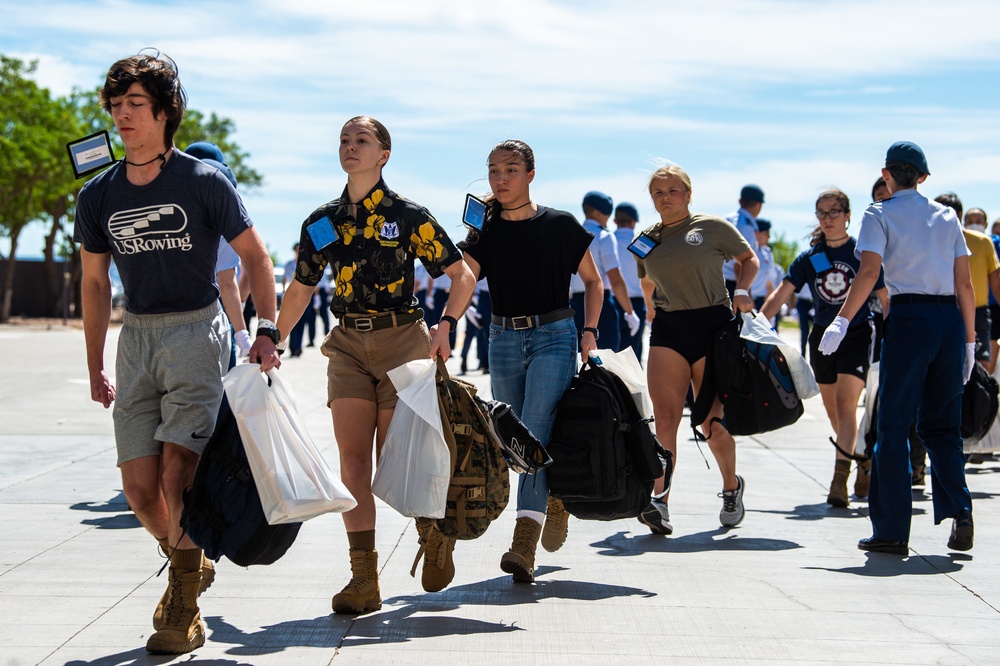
[360, 360]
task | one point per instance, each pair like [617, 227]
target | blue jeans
[530, 371]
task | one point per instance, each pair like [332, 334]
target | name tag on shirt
[642, 245]
[820, 262]
[322, 233]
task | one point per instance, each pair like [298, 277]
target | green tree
[784, 250]
[32, 156]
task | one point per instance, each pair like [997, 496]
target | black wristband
[451, 320]
[597, 334]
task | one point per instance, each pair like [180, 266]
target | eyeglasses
[823, 214]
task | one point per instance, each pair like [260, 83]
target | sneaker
[961, 531]
[656, 517]
[732, 505]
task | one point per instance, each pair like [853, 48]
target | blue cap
[628, 209]
[909, 153]
[205, 150]
[599, 201]
[752, 193]
[763, 225]
[226, 171]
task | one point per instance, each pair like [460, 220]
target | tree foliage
[784, 250]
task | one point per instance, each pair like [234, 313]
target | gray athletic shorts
[169, 380]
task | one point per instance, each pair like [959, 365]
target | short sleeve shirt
[686, 265]
[765, 273]
[918, 240]
[624, 236]
[163, 236]
[746, 224]
[372, 262]
[982, 262]
[828, 273]
[604, 249]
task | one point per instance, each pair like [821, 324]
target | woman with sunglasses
[828, 267]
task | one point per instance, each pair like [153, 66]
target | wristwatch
[267, 328]
[597, 334]
[451, 320]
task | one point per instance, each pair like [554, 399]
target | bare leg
[668, 376]
[720, 442]
[357, 425]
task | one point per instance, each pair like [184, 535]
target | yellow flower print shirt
[372, 261]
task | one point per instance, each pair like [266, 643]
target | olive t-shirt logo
[694, 237]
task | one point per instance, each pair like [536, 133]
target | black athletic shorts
[995, 322]
[852, 357]
[688, 332]
[983, 332]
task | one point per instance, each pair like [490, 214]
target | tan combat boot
[863, 481]
[556, 525]
[207, 578]
[439, 563]
[520, 559]
[181, 627]
[361, 594]
[838, 487]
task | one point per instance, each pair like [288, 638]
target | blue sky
[793, 96]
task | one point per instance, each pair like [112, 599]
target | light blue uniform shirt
[746, 224]
[604, 249]
[227, 257]
[765, 273]
[626, 262]
[918, 241]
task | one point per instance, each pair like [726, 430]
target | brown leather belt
[380, 321]
[532, 321]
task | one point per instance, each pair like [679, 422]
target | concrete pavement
[78, 574]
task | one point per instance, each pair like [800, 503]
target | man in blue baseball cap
[928, 350]
[745, 220]
[597, 209]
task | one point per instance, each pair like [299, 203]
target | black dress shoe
[465, 366]
[961, 531]
[884, 546]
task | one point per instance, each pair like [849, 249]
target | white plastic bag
[293, 479]
[414, 469]
[757, 329]
[865, 422]
[626, 366]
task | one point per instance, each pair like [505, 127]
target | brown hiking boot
[838, 487]
[863, 481]
[439, 564]
[556, 525]
[520, 559]
[181, 627]
[361, 594]
[207, 578]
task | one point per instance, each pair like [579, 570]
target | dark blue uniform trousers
[607, 324]
[923, 352]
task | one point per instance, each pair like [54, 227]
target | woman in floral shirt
[370, 237]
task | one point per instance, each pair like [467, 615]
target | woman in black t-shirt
[527, 254]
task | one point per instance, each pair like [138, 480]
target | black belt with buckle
[380, 321]
[931, 299]
[531, 321]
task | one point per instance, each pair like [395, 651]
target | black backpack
[753, 382]
[979, 404]
[605, 457]
[222, 510]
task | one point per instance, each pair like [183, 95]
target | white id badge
[91, 153]
[322, 233]
[642, 245]
[475, 213]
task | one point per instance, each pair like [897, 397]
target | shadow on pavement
[399, 622]
[125, 519]
[625, 544]
[140, 656]
[882, 565]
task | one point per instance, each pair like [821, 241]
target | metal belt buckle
[521, 323]
[364, 323]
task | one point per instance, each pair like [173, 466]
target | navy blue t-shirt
[164, 236]
[829, 271]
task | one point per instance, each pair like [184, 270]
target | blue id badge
[475, 213]
[91, 153]
[820, 262]
[322, 233]
[642, 246]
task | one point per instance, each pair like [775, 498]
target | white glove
[242, 339]
[474, 317]
[970, 360]
[429, 301]
[632, 319]
[833, 336]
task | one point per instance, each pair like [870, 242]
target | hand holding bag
[294, 480]
[758, 329]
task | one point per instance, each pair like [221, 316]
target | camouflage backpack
[480, 481]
